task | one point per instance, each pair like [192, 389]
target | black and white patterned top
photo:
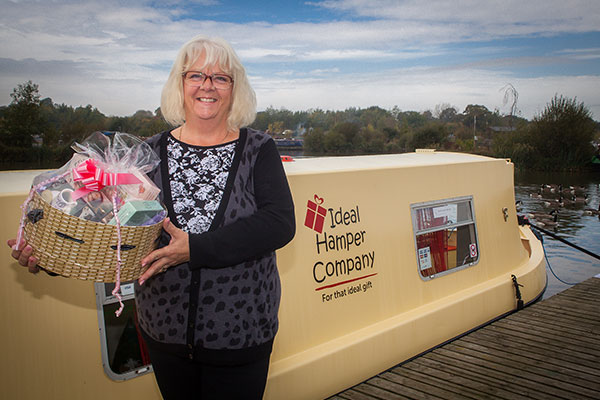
[198, 177]
[221, 306]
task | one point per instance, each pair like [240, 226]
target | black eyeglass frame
[220, 85]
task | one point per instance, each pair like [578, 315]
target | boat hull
[344, 329]
[355, 301]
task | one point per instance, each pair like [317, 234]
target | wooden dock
[549, 350]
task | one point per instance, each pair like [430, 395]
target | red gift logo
[315, 214]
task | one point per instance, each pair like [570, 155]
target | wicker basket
[76, 248]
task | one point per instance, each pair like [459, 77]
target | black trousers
[181, 378]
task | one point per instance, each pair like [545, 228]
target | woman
[208, 300]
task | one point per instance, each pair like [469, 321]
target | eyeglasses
[196, 78]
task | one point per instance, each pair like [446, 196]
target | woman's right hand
[24, 256]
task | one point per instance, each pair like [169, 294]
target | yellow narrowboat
[393, 256]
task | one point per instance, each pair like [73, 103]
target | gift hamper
[96, 217]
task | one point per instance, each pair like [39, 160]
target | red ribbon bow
[95, 178]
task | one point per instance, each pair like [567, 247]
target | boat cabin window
[445, 236]
[124, 353]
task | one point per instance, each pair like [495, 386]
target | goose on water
[581, 200]
[591, 211]
[560, 202]
[547, 222]
[543, 215]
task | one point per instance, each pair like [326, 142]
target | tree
[371, 141]
[314, 141]
[448, 114]
[48, 115]
[476, 116]
[22, 119]
[344, 138]
[143, 123]
[79, 123]
[412, 119]
[374, 116]
[562, 135]
[432, 135]
[275, 128]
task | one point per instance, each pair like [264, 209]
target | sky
[299, 55]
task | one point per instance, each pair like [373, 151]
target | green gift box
[137, 212]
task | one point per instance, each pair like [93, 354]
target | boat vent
[424, 150]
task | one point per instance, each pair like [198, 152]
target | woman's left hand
[177, 252]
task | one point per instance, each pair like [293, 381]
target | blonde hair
[217, 52]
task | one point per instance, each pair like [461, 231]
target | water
[569, 264]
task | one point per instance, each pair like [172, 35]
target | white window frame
[449, 206]
[103, 300]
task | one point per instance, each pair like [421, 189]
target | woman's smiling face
[206, 102]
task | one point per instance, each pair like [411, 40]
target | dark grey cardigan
[221, 307]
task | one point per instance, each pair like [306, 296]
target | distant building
[503, 128]
[37, 140]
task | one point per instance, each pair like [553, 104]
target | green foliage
[28, 119]
[562, 135]
[343, 139]
[516, 146]
[22, 120]
[448, 114]
[466, 145]
[432, 136]
[278, 120]
[372, 141]
[143, 123]
[412, 119]
[559, 138]
[567, 131]
[76, 124]
[314, 142]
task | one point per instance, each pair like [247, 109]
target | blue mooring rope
[551, 270]
[541, 238]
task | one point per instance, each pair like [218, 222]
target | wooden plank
[469, 380]
[352, 394]
[588, 286]
[547, 351]
[452, 382]
[582, 287]
[591, 341]
[378, 393]
[406, 389]
[539, 367]
[583, 314]
[528, 375]
[566, 345]
[552, 319]
[495, 376]
[425, 387]
[534, 341]
[589, 292]
[557, 314]
[580, 295]
[579, 311]
[523, 348]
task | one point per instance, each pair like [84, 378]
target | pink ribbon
[95, 178]
[117, 288]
